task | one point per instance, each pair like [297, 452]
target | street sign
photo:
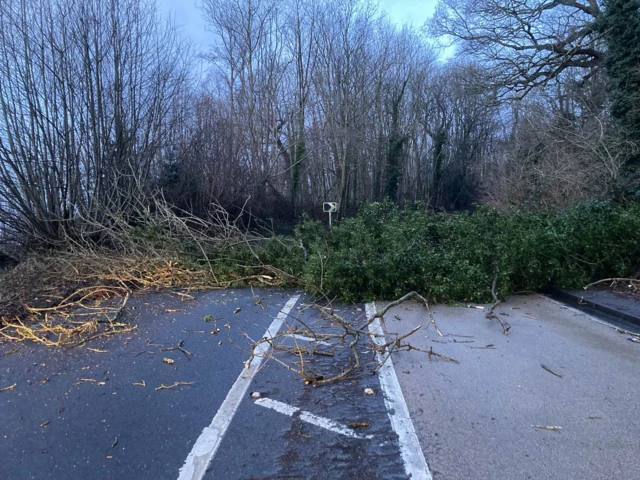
[330, 207]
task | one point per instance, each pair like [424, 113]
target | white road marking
[308, 339]
[414, 462]
[308, 417]
[199, 459]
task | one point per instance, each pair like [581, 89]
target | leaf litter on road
[175, 384]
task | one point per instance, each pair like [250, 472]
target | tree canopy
[526, 43]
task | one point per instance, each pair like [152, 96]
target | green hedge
[386, 252]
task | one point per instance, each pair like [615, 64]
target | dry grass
[65, 300]
[68, 298]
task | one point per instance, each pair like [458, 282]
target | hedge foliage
[386, 252]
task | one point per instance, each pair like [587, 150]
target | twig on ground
[547, 427]
[632, 281]
[178, 347]
[175, 384]
[491, 313]
[550, 371]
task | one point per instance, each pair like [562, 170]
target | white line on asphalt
[414, 462]
[199, 459]
[308, 417]
[308, 339]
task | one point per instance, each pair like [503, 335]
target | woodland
[495, 148]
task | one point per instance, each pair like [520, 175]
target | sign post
[330, 207]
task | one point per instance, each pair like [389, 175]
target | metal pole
[329, 220]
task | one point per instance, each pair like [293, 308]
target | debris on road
[139, 384]
[44, 424]
[168, 361]
[352, 332]
[178, 347]
[256, 395]
[547, 427]
[491, 315]
[83, 380]
[369, 391]
[354, 425]
[550, 371]
[431, 353]
[7, 389]
[237, 310]
[184, 296]
[175, 384]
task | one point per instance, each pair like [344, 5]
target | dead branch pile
[80, 292]
[343, 342]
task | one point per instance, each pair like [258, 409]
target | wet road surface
[485, 418]
[78, 414]
[103, 410]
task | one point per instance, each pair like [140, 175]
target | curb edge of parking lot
[576, 300]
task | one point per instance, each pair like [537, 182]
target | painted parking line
[414, 462]
[310, 418]
[203, 451]
[309, 339]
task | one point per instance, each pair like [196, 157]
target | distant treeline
[309, 101]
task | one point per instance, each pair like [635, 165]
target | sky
[189, 17]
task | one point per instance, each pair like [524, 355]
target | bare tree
[559, 150]
[525, 43]
[248, 58]
[87, 96]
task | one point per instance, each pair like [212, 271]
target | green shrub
[385, 252]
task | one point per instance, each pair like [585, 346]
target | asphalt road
[79, 414]
[476, 420]
[95, 412]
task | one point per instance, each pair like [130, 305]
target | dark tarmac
[76, 414]
[95, 411]
[557, 398]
